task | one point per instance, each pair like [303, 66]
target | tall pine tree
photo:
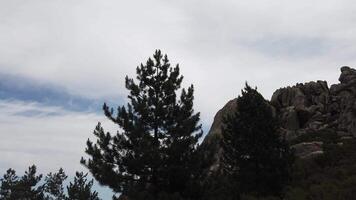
[254, 153]
[152, 155]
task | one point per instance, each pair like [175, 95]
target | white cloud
[49, 141]
[88, 46]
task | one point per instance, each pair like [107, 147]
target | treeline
[32, 186]
[156, 155]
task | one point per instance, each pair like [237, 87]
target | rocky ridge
[307, 112]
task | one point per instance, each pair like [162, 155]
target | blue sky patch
[19, 88]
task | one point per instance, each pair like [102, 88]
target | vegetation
[331, 175]
[254, 155]
[154, 155]
[81, 188]
[32, 187]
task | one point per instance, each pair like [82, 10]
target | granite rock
[306, 108]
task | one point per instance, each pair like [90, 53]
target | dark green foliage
[81, 189]
[220, 187]
[15, 188]
[328, 176]
[8, 182]
[215, 184]
[154, 153]
[54, 185]
[31, 186]
[254, 154]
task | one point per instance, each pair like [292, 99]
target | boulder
[308, 149]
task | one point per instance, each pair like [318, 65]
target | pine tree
[254, 153]
[54, 185]
[8, 182]
[81, 188]
[31, 186]
[154, 151]
[24, 188]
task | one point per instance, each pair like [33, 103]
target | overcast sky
[61, 59]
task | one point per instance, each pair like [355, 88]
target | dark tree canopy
[254, 152]
[54, 185]
[31, 186]
[15, 188]
[81, 188]
[154, 150]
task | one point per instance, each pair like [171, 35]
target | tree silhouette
[153, 153]
[31, 186]
[54, 185]
[24, 188]
[81, 188]
[254, 153]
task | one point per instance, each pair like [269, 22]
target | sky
[61, 59]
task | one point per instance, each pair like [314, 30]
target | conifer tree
[24, 188]
[8, 182]
[31, 186]
[53, 186]
[81, 188]
[254, 153]
[154, 151]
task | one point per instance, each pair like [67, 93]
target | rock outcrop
[344, 102]
[302, 108]
[215, 129]
[211, 141]
[308, 149]
[308, 110]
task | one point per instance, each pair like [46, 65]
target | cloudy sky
[61, 59]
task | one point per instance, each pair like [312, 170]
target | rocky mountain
[310, 114]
